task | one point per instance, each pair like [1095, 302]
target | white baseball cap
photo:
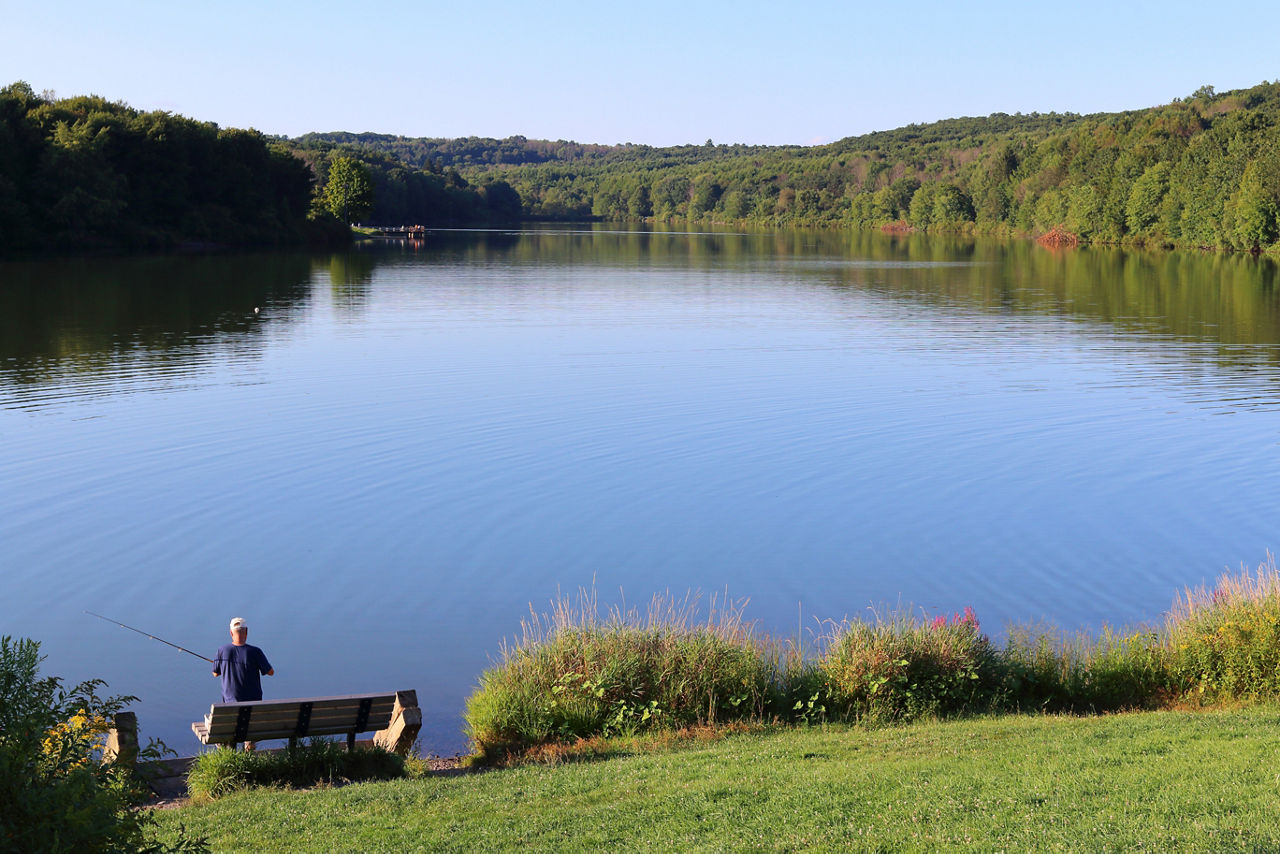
[238, 623]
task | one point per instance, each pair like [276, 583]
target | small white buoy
[255, 309]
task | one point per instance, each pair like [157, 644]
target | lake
[383, 459]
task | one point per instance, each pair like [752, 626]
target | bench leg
[351, 742]
[122, 740]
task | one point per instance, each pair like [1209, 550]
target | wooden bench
[394, 718]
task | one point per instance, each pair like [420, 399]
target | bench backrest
[259, 720]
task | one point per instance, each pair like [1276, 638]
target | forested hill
[472, 152]
[475, 151]
[1201, 171]
[1204, 170]
[84, 173]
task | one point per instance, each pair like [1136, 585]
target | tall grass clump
[901, 667]
[1224, 643]
[575, 673]
[1049, 672]
[315, 762]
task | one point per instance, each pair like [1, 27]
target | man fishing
[241, 665]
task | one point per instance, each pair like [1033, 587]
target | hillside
[1201, 171]
[87, 174]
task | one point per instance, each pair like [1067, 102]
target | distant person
[241, 667]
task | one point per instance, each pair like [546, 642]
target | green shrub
[1046, 672]
[1043, 672]
[1123, 671]
[575, 674]
[806, 690]
[55, 794]
[222, 771]
[1225, 643]
[902, 668]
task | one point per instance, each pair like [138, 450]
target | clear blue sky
[658, 72]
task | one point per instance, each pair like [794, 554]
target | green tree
[866, 210]
[898, 198]
[640, 204]
[1143, 206]
[670, 195]
[990, 198]
[502, 201]
[1051, 209]
[1253, 210]
[348, 193]
[921, 212]
[704, 195]
[734, 204]
[1084, 210]
[951, 205]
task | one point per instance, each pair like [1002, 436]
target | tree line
[84, 173]
[1201, 171]
[87, 173]
[439, 153]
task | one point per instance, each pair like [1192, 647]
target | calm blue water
[382, 459]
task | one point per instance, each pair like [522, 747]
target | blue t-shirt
[241, 668]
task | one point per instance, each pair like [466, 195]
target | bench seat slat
[343, 720]
[291, 710]
[284, 712]
[337, 724]
[260, 708]
[265, 734]
[283, 732]
[319, 701]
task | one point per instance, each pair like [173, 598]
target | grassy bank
[577, 673]
[1163, 780]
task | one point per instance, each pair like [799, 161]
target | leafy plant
[55, 793]
[1225, 643]
[811, 710]
[902, 668]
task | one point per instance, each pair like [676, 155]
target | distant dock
[400, 232]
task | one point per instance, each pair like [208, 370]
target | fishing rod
[153, 637]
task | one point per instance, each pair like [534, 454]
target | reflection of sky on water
[384, 465]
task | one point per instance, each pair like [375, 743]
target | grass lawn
[1206, 781]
